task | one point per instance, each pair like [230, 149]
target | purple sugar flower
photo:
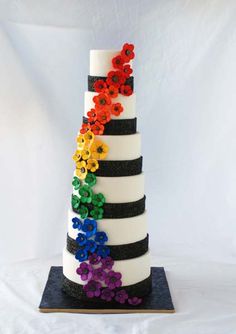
[85, 271]
[134, 301]
[92, 289]
[99, 274]
[107, 263]
[121, 296]
[107, 294]
[94, 259]
[113, 279]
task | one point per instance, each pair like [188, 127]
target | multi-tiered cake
[107, 258]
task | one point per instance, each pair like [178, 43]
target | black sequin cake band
[93, 79]
[119, 167]
[140, 289]
[118, 252]
[121, 210]
[118, 126]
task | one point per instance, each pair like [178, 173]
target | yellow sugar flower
[77, 156]
[85, 153]
[80, 141]
[92, 165]
[99, 150]
[81, 170]
[88, 137]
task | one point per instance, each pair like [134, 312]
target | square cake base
[55, 300]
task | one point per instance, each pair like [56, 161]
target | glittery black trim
[121, 210]
[119, 167]
[140, 289]
[118, 252]
[92, 79]
[118, 126]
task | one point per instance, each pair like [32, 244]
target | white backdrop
[185, 79]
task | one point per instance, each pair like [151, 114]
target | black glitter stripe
[119, 167]
[140, 289]
[92, 79]
[121, 210]
[118, 252]
[118, 126]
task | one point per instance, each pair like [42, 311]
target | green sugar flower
[91, 179]
[75, 202]
[86, 194]
[98, 199]
[83, 211]
[76, 183]
[97, 213]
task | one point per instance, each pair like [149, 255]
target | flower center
[115, 78]
[99, 149]
[102, 101]
[127, 52]
[82, 169]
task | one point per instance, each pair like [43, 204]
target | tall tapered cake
[106, 258]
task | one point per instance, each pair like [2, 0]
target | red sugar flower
[104, 116]
[85, 127]
[127, 52]
[99, 86]
[118, 62]
[92, 115]
[112, 91]
[116, 109]
[102, 101]
[115, 78]
[97, 128]
[127, 70]
[126, 90]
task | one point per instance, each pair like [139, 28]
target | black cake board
[55, 300]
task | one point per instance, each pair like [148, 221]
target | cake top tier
[101, 62]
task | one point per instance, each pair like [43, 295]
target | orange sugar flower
[99, 86]
[126, 90]
[112, 91]
[104, 116]
[127, 52]
[85, 127]
[92, 115]
[97, 128]
[115, 78]
[102, 101]
[118, 62]
[116, 109]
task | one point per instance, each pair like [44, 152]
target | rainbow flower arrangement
[96, 266]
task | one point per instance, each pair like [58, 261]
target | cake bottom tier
[136, 275]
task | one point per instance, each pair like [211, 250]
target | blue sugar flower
[81, 239]
[81, 255]
[101, 238]
[77, 223]
[89, 227]
[90, 246]
[103, 251]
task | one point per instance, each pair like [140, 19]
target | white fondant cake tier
[119, 189]
[128, 103]
[132, 270]
[119, 231]
[101, 62]
[126, 147]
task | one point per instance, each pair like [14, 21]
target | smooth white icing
[125, 147]
[120, 189]
[132, 270]
[128, 103]
[101, 62]
[119, 231]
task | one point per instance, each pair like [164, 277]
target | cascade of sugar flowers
[93, 254]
